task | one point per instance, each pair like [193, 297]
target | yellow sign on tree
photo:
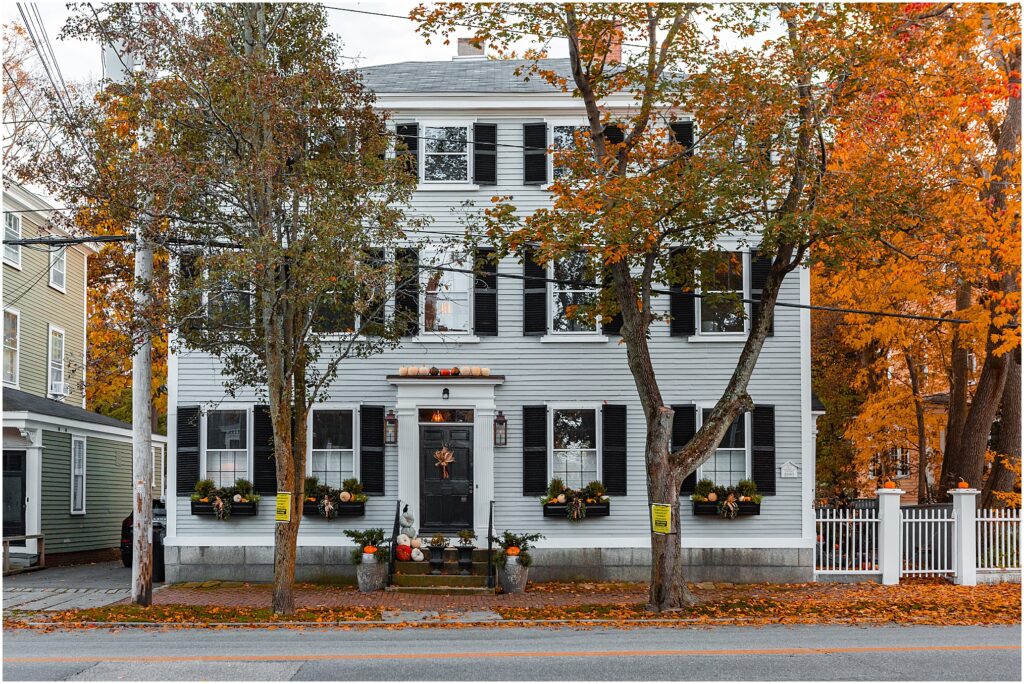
[283, 512]
[661, 518]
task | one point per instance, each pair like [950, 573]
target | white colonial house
[478, 130]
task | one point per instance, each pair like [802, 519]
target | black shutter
[485, 294]
[535, 153]
[485, 154]
[762, 458]
[760, 267]
[535, 295]
[187, 458]
[613, 325]
[407, 291]
[684, 427]
[613, 134]
[682, 133]
[264, 466]
[409, 135]
[613, 452]
[371, 449]
[535, 450]
[682, 305]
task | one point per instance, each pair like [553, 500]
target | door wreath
[444, 457]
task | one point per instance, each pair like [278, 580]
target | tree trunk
[922, 431]
[668, 588]
[1007, 443]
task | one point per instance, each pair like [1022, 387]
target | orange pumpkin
[512, 551]
[962, 484]
[889, 484]
[369, 549]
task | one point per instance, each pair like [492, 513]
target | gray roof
[16, 400]
[816, 403]
[463, 76]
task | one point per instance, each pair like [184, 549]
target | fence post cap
[889, 492]
[961, 492]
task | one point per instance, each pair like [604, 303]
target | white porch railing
[998, 539]
[847, 541]
[927, 541]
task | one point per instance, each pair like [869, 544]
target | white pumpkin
[346, 496]
[561, 498]
[465, 370]
[486, 372]
[417, 555]
[404, 370]
[424, 370]
[238, 498]
[403, 540]
[416, 543]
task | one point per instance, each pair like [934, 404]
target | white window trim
[575, 406]
[228, 406]
[50, 329]
[424, 184]
[553, 335]
[85, 473]
[334, 406]
[63, 252]
[748, 438]
[550, 157]
[699, 335]
[17, 352]
[13, 264]
[428, 336]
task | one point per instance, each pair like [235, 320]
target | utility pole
[117, 65]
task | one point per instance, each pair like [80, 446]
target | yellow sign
[283, 512]
[661, 518]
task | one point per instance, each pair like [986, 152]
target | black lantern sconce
[445, 394]
[500, 429]
[390, 428]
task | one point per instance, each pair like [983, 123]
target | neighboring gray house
[565, 389]
[67, 471]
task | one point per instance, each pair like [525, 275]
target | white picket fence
[999, 539]
[847, 541]
[926, 548]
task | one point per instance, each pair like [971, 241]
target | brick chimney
[468, 50]
[614, 51]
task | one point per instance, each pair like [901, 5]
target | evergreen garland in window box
[575, 504]
[329, 503]
[726, 502]
[223, 502]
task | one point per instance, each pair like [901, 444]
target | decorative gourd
[404, 370]
[889, 484]
[712, 497]
[465, 370]
[486, 372]
[434, 370]
[445, 372]
[475, 371]
[403, 540]
[424, 370]
[416, 543]
[345, 497]
[370, 549]
[237, 498]
[561, 498]
[403, 552]
[512, 551]
[416, 555]
[962, 484]
[455, 371]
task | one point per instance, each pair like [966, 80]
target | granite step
[423, 568]
[439, 580]
[442, 591]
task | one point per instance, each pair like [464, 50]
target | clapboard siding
[544, 372]
[107, 493]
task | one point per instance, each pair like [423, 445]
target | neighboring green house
[67, 471]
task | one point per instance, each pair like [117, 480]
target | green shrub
[556, 487]
[703, 488]
[439, 540]
[243, 487]
[466, 537]
[353, 486]
[310, 486]
[521, 540]
[595, 489]
[746, 488]
[204, 488]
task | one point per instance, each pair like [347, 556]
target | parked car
[159, 530]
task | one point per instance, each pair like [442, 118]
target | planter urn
[466, 559]
[371, 574]
[513, 576]
[436, 559]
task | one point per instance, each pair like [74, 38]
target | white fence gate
[847, 541]
[998, 539]
[926, 541]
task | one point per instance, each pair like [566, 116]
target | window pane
[445, 139]
[572, 301]
[335, 314]
[575, 429]
[12, 231]
[58, 264]
[224, 467]
[446, 297]
[721, 316]
[332, 429]
[576, 467]
[572, 271]
[448, 167]
[56, 348]
[735, 436]
[226, 430]
[10, 347]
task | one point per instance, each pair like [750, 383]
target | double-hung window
[56, 379]
[721, 310]
[446, 296]
[59, 268]
[227, 446]
[335, 314]
[572, 301]
[574, 446]
[445, 154]
[333, 454]
[78, 456]
[728, 465]
[12, 338]
[12, 231]
[562, 138]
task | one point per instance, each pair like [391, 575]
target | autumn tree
[25, 107]
[630, 197]
[263, 168]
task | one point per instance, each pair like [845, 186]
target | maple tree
[25, 106]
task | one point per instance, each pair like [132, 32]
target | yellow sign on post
[283, 509]
[661, 518]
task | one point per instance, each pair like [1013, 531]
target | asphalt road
[732, 653]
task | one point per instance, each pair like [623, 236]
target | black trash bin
[159, 571]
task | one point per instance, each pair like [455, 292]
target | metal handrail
[490, 542]
[391, 542]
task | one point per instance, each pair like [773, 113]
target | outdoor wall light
[445, 394]
[500, 429]
[391, 428]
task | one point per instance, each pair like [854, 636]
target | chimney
[469, 50]
[615, 45]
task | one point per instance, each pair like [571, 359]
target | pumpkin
[370, 549]
[403, 552]
[310, 498]
[205, 499]
[486, 372]
[474, 370]
[512, 551]
[417, 555]
[413, 370]
[561, 498]
[445, 372]
[456, 371]
[962, 484]
[403, 540]
[712, 497]
[434, 370]
[345, 496]
[416, 543]
[889, 484]
[404, 370]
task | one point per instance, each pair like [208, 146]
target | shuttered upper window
[446, 295]
[570, 295]
[445, 154]
[721, 276]
[562, 138]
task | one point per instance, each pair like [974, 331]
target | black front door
[446, 503]
[14, 494]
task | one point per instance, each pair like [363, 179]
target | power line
[28, 288]
[532, 279]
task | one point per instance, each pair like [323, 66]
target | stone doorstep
[395, 616]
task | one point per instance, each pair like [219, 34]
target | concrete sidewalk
[68, 587]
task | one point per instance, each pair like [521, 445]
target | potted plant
[370, 558]
[438, 543]
[514, 560]
[466, 547]
[575, 504]
[726, 502]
